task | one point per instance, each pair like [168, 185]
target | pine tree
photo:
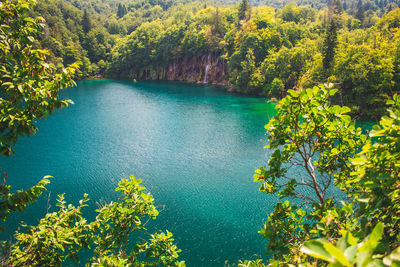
[335, 7]
[119, 12]
[360, 11]
[329, 45]
[396, 76]
[86, 23]
[249, 12]
[243, 6]
[122, 11]
[217, 29]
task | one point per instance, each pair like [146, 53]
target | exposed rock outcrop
[207, 69]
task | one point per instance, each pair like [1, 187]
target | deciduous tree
[29, 90]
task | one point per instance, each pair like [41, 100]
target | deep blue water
[195, 148]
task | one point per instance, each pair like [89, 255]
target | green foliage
[310, 133]
[267, 53]
[302, 43]
[62, 234]
[348, 251]
[59, 236]
[122, 11]
[29, 91]
[366, 74]
[290, 12]
[253, 263]
[360, 11]
[302, 46]
[86, 22]
[274, 89]
[330, 43]
[285, 229]
[374, 182]
[393, 259]
[243, 7]
[288, 65]
[160, 251]
[248, 68]
[18, 201]
[29, 85]
[117, 220]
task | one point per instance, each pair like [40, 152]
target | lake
[194, 146]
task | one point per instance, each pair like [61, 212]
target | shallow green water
[195, 148]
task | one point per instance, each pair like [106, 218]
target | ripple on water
[195, 147]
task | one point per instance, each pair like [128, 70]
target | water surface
[195, 148]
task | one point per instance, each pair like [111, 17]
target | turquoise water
[195, 148]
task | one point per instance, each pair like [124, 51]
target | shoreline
[224, 88]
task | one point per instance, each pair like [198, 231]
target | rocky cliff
[207, 69]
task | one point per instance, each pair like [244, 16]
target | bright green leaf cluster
[309, 132]
[348, 251]
[374, 181]
[28, 84]
[19, 200]
[29, 90]
[59, 236]
[62, 234]
[320, 138]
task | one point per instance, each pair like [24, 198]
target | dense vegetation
[268, 52]
[354, 45]
[312, 225]
[29, 91]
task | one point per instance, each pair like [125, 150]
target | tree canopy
[286, 54]
[295, 46]
[30, 87]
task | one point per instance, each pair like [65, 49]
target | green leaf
[393, 259]
[350, 253]
[333, 92]
[336, 253]
[20, 88]
[316, 248]
[345, 109]
[293, 93]
[358, 161]
[377, 233]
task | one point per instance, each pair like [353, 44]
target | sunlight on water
[195, 148]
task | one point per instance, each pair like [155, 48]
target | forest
[325, 64]
[251, 49]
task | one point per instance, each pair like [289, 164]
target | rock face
[207, 69]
